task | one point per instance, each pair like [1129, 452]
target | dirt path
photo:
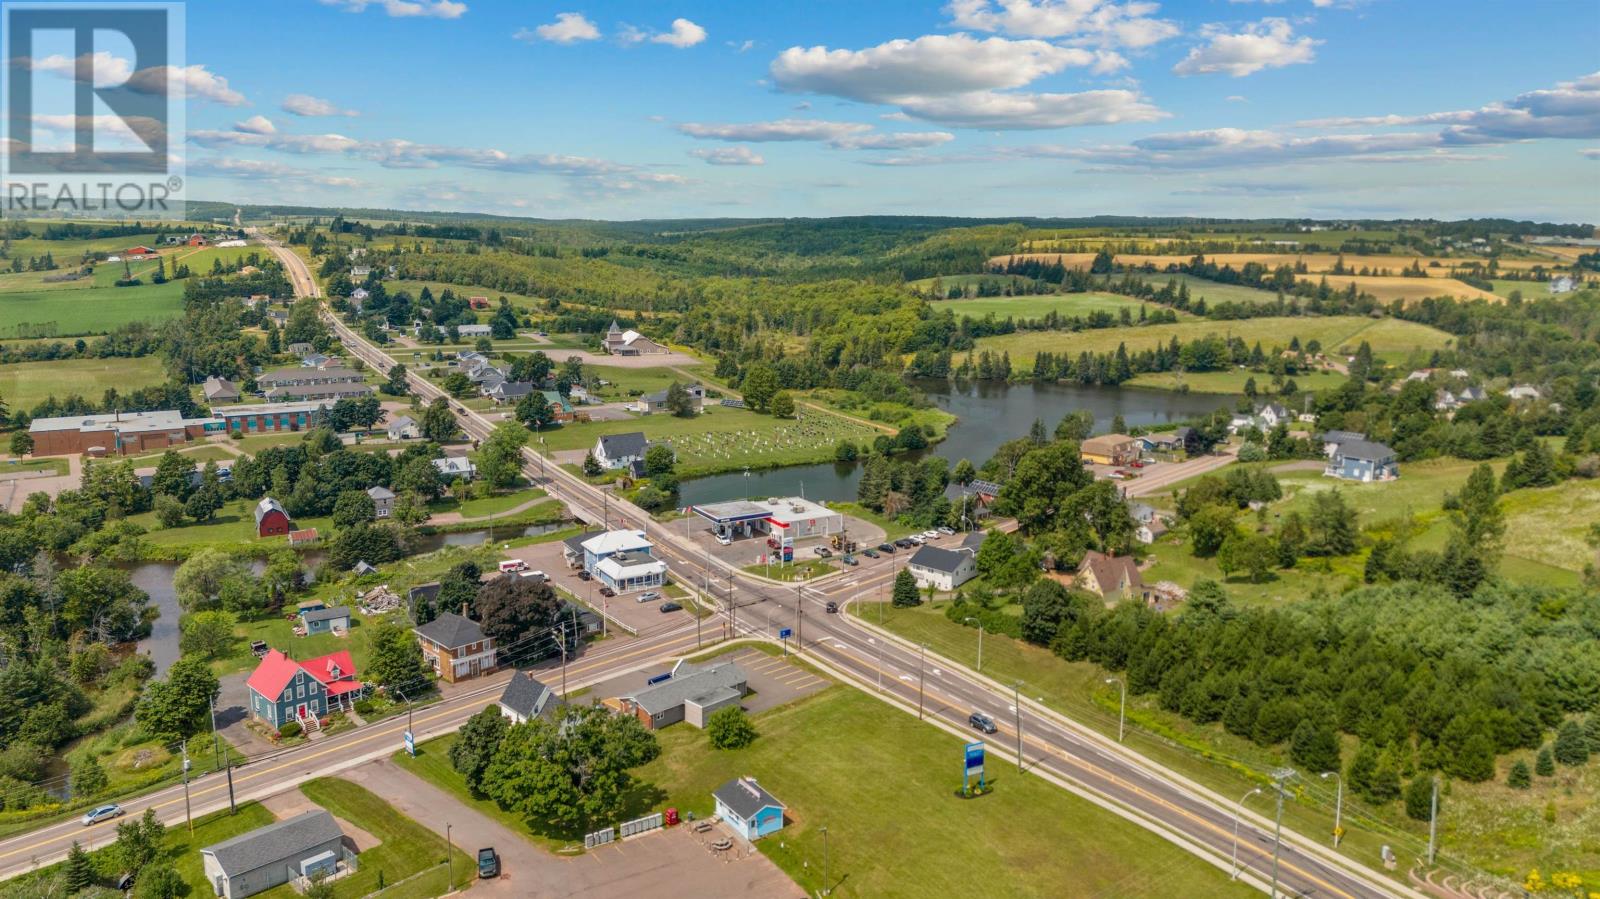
[458, 518]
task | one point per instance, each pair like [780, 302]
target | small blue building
[326, 621]
[1362, 460]
[750, 810]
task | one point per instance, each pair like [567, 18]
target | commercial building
[456, 648]
[623, 561]
[307, 844]
[117, 433]
[629, 343]
[300, 376]
[748, 808]
[262, 418]
[791, 518]
[1110, 449]
[651, 403]
[690, 694]
[302, 392]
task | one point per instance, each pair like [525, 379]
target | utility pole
[980, 639]
[799, 635]
[216, 741]
[562, 640]
[922, 652]
[1338, 805]
[449, 850]
[1278, 778]
[186, 815]
[1433, 820]
[825, 890]
[1122, 710]
[1016, 703]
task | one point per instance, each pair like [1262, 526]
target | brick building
[117, 433]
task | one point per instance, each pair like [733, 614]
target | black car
[982, 723]
[584, 575]
[886, 548]
[870, 553]
[903, 543]
[488, 863]
[607, 591]
[670, 607]
[832, 608]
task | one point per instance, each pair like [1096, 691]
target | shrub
[1545, 765]
[730, 728]
[289, 729]
[1571, 747]
[363, 706]
[1519, 778]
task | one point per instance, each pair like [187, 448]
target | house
[623, 561]
[314, 360]
[1186, 439]
[505, 392]
[269, 856]
[750, 810]
[278, 317]
[1110, 449]
[220, 390]
[651, 403]
[360, 272]
[1110, 577]
[1523, 392]
[618, 342]
[969, 503]
[283, 690]
[691, 694]
[404, 428]
[1332, 440]
[473, 331]
[1362, 460]
[300, 348]
[382, 500]
[525, 699]
[1150, 531]
[1421, 374]
[456, 648]
[326, 621]
[614, 451]
[1272, 415]
[1159, 443]
[942, 569]
[452, 467]
[359, 297]
[560, 407]
[271, 518]
[1562, 284]
[1471, 395]
[478, 302]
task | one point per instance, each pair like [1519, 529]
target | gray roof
[528, 697]
[512, 388]
[1365, 450]
[688, 684]
[420, 591]
[616, 446]
[974, 540]
[451, 630]
[939, 559]
[1342, 436]
[575, 543]
[380, 492]
[327, 614]
[404, 421]
[266, 505]
[1142, 512]
[275, 843]
[745, 797]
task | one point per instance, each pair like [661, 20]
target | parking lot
[744, 552]
[642, 618]
[773, 680]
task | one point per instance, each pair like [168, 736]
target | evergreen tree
[1419, 798]
[1545, 764]
[905, 590]
[1314, 747]
[1519, 778]
[1571, 746]
[79, 869]
[591, 465]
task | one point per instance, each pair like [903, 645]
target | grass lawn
[1231, 382]
[233, 528]
[278, 632]
[802, 569]
[463, 291]
[1391, 339]
[724, 439]
[891, 528]
[1065, 305]
[483, 507]
[25, 384]
[55, 465]
[1548, 524]
[1211, 291]
[626, 383]
[405, 847]
[432, 764]
[88, 310]
[200, 455]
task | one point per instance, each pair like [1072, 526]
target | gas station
[786, 520]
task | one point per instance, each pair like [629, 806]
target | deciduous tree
[572, 773]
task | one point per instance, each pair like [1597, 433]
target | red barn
[137, 252]
[271, 519]
[197, 240]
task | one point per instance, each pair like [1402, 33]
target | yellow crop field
[1389, 289]
[1316, 263]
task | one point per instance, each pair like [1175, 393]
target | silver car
[101, 813]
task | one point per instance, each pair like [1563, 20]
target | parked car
[886, 548]
[870, 553]
[946, 531]
[823, 551]
[849, 560]
[903, 543]
[607, 591]
[832, 608]
[671, 606]
[648, 597]
[915, 539]
[488, 863]
[1137, 463]
[584, 575]
[102, 813]
[930, 535]
[982, 723]
[724, 540]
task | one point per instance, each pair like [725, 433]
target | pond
[988, 413]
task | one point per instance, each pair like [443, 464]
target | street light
[980, 639]
[1338, 804]
[1122, 708]
[1233, 872]
[449, 850]
[825, 890]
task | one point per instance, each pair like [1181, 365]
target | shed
[271, 855]
[326, 621]
[748, 808]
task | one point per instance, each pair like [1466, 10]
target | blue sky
[1327, 108]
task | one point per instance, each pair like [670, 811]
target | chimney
[464, 610]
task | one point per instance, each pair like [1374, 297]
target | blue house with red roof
[284, 690]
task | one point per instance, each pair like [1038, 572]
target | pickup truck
[488, 863]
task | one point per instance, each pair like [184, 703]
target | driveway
[663, 861]
[233, 710]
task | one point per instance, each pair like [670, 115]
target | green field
[521, 301]
[27, 383]
[1066, 305]
[1211, 291]
[1027, 838]
[1231, 381]
[89, 311]
[1392, 340]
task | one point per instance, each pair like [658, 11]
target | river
[988, 414]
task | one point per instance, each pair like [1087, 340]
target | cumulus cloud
[684, 33]
[1267, 44]
[405, 9]
[1129, 24]
[963, 81]
[105, 70]
[839, 135]
[1570, 110]
[102, 68]
[728, 156]
[568, 28]
[262, 170]
[1590, 153]
[256, 124]
[309, 106]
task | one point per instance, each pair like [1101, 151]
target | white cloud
[684, 33]
[103, 68]
[307, 105]
[1097, 21]
[1237, 98]
[904, 140]
[568, 28]
[1570, 110]
[1590, 153]
[1267, 44]
[960, 80]
[839, 135]
[106, 70]
[261, 170]
[406, 9]
[256, 124]
[743, 46]
[728, 156]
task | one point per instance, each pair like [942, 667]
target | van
[510, 565]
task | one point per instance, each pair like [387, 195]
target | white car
[930, 535]
[724, 539]
[649, 597]
[915, 539]
[946, 531]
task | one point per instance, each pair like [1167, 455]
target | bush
[730, 728]
[1571, 747]
[363, 706]
[1519, 778]
[288, 730]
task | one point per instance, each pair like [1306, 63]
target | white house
[474, 331]
[943, 569]
[404, 428]
[1562, 284]
[526, 698]
[624, 561]
[452, 467]
[1150, 531]
[614, 451]
[1523, 392]
[1272, 415]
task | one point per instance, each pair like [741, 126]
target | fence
[599, 838]
[641, 825]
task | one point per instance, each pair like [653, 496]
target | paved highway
[946, 693]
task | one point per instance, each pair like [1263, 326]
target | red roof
[277, 670]
[322, 667]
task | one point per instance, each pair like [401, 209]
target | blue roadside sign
[411, 744]
[785, 633]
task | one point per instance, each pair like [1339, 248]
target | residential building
[1110, 449]
[359, 297]
[283, 690]
[314, 360]
[970, 503]
[1332, 440]
[651, 403]
[326, 621]
[629, 343]
[1187, 439]
[302, 375]
[623, 561]
[269, 856]
[789, 518]
[614, 451]
[1362, 460]
[473, 331]
[1523, 392]
[1150, 531]
[560, 407]
[1272, 415]
[1562, 284]
[382, 500]
[300, 348]
[220, 390]
[360, 272]
[117, 433]
[452, 467]
[261, 418]
[691, 694]
[456, 647]
[525, 699]
[404, 428]
[1110, 577]
[748, 808]
[505, 392]
[272, 520]
[310, 392]
[942, 569]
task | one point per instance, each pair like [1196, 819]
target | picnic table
[722, 845]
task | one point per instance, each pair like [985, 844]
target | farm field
[1389, 289]
[25, 384]
[1230, 382]
[1331, 240]
[463, 290]
[1391, 339]
[1024, 307]
[80, 312]
[1211, 291]
[1316, 263]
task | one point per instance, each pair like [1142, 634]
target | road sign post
[972, 764]
[784, 633]
[411, 744]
